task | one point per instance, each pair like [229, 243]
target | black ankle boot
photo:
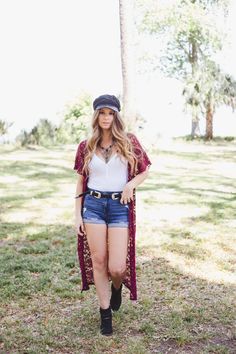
[106, 321]
[116, 298]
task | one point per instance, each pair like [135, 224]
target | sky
[54, 50]
[51, 50]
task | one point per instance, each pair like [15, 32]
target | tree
[220, 88]
[191, 39]
[126, 13]
[73, 127]
[76, 120]
[212, 88]
[43, 133]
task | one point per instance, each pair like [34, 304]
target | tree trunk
[195, 131]
[209, 121]
[126, 8]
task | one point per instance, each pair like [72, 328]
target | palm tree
[217, 89]
[222, 91]
[210, 89]
[191, 38]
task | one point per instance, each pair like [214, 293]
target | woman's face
[105, 118]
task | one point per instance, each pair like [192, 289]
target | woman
[111, 164]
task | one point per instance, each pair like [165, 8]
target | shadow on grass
[188, 313]
[158, 181]
[30, 170]
[174, 313]
[8, 150]
[182, 190]
[218, 201]
[201, 156]
[32, 257]
[42, 307]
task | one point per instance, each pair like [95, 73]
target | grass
[186, 268]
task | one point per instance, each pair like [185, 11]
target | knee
[117, 271]
[99, 262]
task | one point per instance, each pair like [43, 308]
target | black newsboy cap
[108, 101]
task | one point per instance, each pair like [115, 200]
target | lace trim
[84, 255]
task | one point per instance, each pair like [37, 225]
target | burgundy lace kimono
[83, 248]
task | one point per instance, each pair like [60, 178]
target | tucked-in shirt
[108, 177]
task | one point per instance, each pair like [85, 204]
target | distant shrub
[44, 133]
[73, 127]
[76, 121]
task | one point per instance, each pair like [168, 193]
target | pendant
[106, 152]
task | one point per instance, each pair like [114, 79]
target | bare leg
[118, 246]
[97, 240]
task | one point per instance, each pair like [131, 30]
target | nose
[106, 117]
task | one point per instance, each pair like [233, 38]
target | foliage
[73, 127]
[44, 133]
[192, 33]
[210, 85]
[181, 25]
[76, 120]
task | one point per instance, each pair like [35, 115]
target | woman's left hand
[127, 194]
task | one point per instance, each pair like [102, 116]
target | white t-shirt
[108, 177]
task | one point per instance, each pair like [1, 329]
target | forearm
[128, 191]
[137, 180]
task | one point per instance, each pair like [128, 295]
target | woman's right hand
[79, 225]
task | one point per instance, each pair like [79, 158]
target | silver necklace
[106, 152]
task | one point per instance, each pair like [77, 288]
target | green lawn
[186, 256]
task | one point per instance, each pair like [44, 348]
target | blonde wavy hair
[122, 142]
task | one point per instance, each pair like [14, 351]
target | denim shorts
[105, 211]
